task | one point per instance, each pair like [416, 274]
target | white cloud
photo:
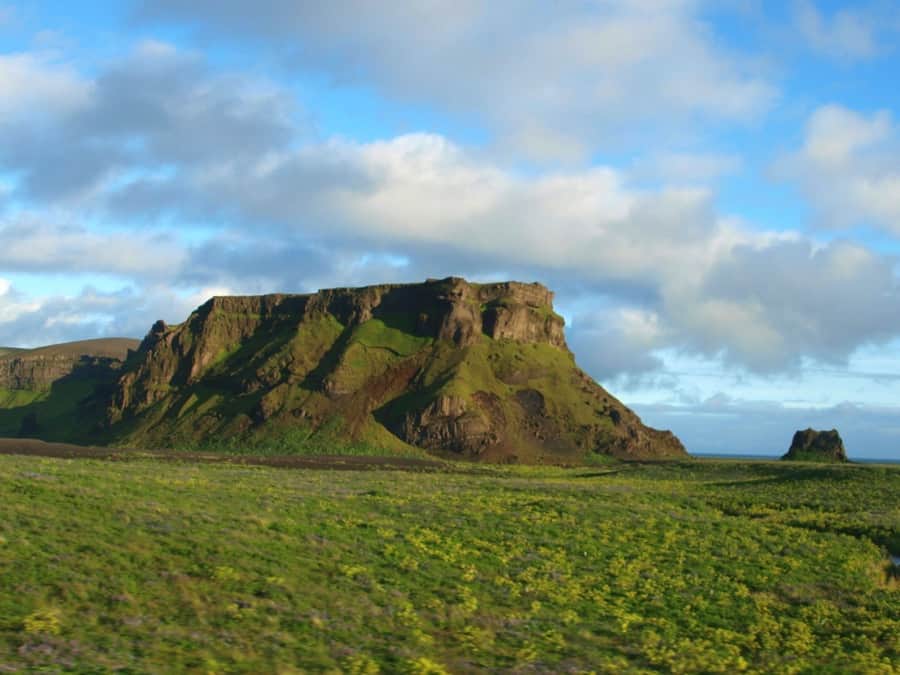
[849, 167]
[33, 85]
[164, 139]
[552, 81]
[706, 284]
[12, 304]
[835, 134]
[770, 305]
[150, 112]
[30, 243]
[87, 313]
[422, 193]
[620, 341]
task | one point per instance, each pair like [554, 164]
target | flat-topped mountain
[477, 370]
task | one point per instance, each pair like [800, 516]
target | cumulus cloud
[30, 244]
[161, 138]
[421, 191]
[12, 303]
[705, 284]
[768, 306]
[849, 167]
[621, 341]
[550, 81]
[154, 111]
[33, 83]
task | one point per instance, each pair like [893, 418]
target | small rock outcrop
[474, 370]
[810, 445]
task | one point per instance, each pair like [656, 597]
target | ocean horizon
[725, 455]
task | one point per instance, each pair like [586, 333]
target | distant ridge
[38, 368]
[109, 347]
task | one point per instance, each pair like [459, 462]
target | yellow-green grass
[145, 566]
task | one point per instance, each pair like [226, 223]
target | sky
[712, 188]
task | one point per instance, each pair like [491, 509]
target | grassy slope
[703, 566]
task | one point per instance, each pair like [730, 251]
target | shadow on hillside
[70, 410]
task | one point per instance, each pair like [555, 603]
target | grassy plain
[704, 566]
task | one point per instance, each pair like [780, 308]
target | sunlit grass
[702, 566]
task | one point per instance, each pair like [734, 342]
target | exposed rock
[37, 369]
[817, 446]
[59, 392]
[481, 370]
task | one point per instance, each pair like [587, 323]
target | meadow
[699, 566]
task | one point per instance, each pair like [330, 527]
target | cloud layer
[213, 180]
[549, 81]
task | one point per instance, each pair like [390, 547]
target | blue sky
[712, 188]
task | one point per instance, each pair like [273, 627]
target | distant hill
[474, 370]
[58, 392]
[116, 348]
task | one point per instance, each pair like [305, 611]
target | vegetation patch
[705, 566]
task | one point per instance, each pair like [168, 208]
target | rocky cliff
[59, 392]
[810, 445]
[37, 369]
[478, 370]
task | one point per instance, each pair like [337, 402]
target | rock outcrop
[476, 370]
[810, 445]
[37, 369]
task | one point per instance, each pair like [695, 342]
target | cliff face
[59, 392]
[38, 369]
[480, 370]
[30, 373]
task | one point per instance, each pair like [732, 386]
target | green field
[704, 566]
